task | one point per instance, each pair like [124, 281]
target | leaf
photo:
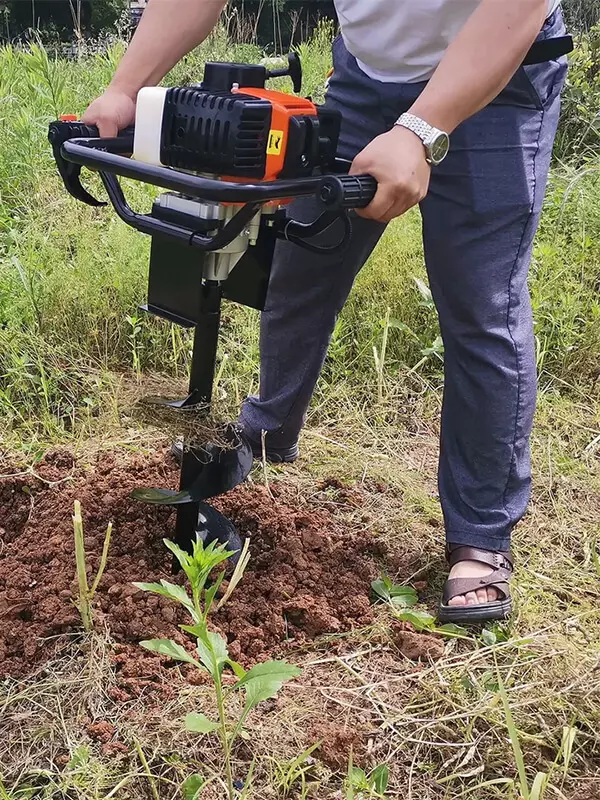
[167, 647]
[381, 588]
[265, 680]
[401, 326]
[358, 778]
[237, 668]
[489, 682]
[514, 736]
[424, 291]
[451, 630]
[405, 599]
[568, 739]
[538, 787]
[403, 596]
[488, 637]
[170, 590]
[192, 785]
[210, 593]
[200, 723]
[420, 620]
[500, 633]
[79, 757]
[212, 649]
[181, 556]
[380, 777]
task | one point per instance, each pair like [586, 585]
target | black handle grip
[62, 131]
[347, 191]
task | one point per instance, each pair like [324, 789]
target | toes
[459, 600]
[471, 598]
[492, 594]
[482, 595]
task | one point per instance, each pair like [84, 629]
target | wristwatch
[435, 141]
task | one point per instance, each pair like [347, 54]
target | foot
[472, 569]
[276, 453]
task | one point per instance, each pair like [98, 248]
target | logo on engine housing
[275, 143]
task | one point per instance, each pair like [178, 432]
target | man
[407, 74]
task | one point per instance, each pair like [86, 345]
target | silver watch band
[423, 129]
[435, 141]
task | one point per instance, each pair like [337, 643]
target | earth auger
[232, 155]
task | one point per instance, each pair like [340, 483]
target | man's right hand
[111, 112]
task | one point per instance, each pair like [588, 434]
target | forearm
[167, 31]
[480, 61]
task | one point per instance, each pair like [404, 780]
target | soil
[309, 572]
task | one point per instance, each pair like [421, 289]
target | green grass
[71, 277]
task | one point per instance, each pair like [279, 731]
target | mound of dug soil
[309, 574]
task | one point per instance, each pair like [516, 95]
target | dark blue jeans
[479, 221]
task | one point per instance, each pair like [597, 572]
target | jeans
[479, 220]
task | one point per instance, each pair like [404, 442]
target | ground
[99, 716]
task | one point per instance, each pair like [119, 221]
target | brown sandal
[498, 579]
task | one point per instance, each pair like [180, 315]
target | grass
[71, 277]
[494, 712]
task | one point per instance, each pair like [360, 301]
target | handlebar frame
[111, 158]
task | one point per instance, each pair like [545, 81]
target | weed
[86, 595]
[257, 684]
[134, 342]
[361, 785]
[401, 600]
[541, 781]
[293, 775]
[397, 596]
[379, 356]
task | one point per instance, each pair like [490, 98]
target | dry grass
[440, 726]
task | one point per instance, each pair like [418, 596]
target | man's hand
[397, 161]
[167, 31]
[111, 112]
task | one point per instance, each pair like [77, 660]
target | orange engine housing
[285, 107]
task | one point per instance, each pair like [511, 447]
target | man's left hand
[397, 161]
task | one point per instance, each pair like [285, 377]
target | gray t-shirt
[403, 41]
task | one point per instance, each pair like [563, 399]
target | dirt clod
[418, 646]
[101, 731]
[336, 744]
[113, 749]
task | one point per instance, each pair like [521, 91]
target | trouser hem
[485, 541]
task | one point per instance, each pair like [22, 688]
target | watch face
[438, 149]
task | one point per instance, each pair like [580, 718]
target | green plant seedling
[291, 775]
[540, 782]
[134, 342]
[395, 595]
[401, 600]
[257, 684]
[360, 784]
[86, 595]
[192, 786]
[493, 635]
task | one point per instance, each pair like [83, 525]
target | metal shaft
[202, 374]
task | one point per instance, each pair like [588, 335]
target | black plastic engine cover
[215, 132]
